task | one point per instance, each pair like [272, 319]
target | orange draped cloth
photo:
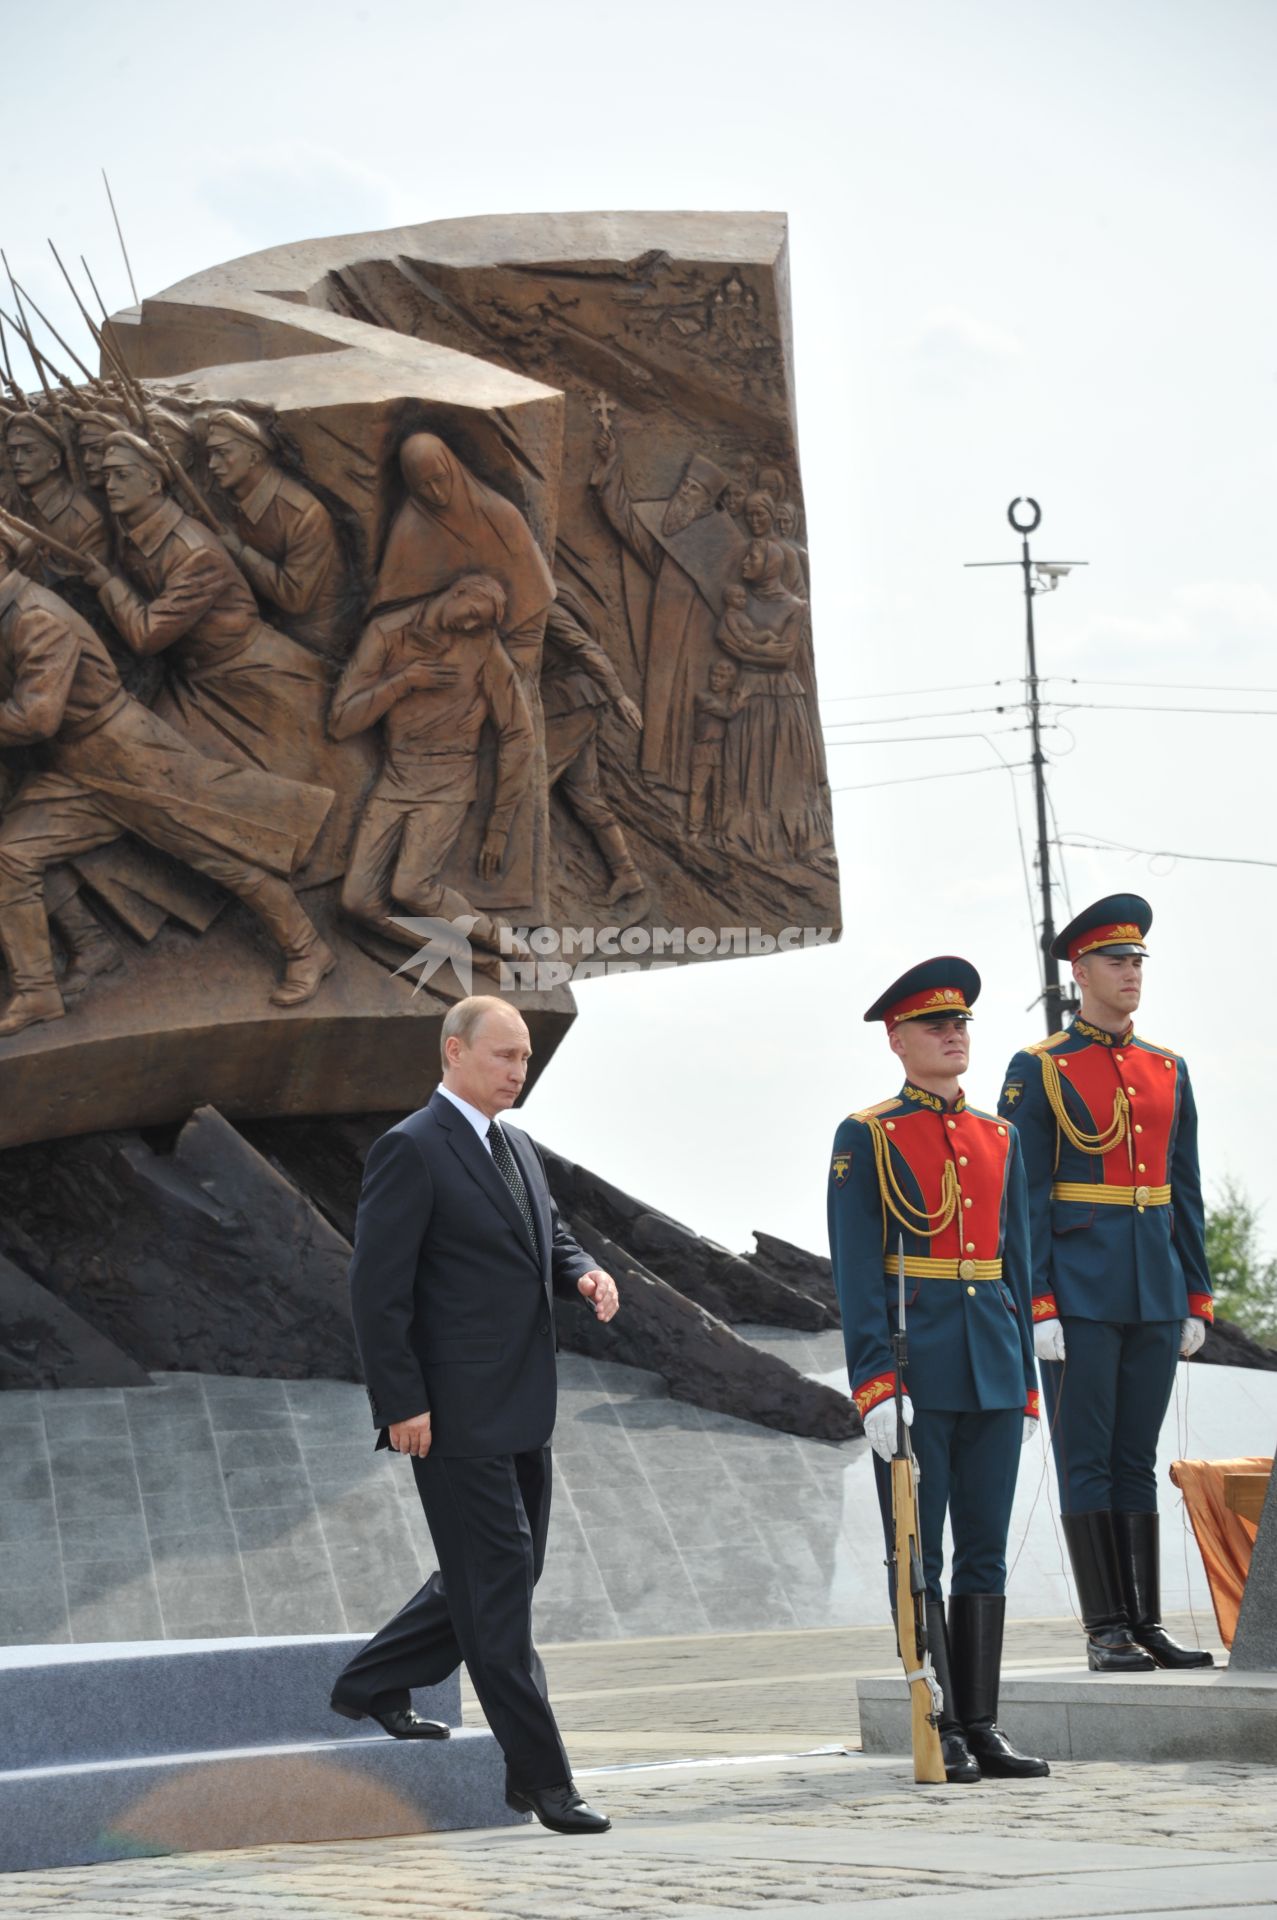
[1224, 1539]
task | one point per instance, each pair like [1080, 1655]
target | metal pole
[1053, 1000]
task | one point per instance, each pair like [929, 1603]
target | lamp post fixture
[1040, 576]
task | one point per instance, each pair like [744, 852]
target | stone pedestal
[180, 1746]
[1217, 1715]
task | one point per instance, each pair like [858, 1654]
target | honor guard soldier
[929, 1167]
[1121, 1287]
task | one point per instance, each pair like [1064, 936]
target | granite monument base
[1255, 1642]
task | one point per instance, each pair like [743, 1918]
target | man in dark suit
[459, 1251]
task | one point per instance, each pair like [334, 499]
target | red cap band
[1124, 934]
[933, 1001]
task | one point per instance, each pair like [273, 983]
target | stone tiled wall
[204, 1505]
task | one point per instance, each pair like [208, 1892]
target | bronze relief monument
[449, 574]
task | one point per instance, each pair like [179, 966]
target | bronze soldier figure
[283, 537]
[114, 766]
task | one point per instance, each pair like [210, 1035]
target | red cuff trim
[1044, 1308]
[870, 1392]
[1032, 1405]
[1201, 1307]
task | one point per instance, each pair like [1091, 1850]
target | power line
[1161, 686]
[903, 693]
[909, 739]
[1114, 706]
[909, 779]
[1064, 877]
[1163, 853]
[912, 719]
[1065, 679]
[1063, 706]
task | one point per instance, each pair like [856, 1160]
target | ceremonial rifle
[910, 1584]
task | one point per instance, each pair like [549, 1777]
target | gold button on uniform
[1119, 1057]
[891, 1126]
[966, 1270]
[966, 1203]
[962, 1159]
[970, 1246]
[970, 1289]
[1138, 1128]
[951, 1124]
[1131, 1091]
[1142, 1168]
[1168, 1063]
[1001, 1129]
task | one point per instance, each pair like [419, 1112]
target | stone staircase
[123, 1750]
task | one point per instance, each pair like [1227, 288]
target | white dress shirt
[479, 1121]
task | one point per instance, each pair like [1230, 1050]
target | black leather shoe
[976, 1622]
[1112, 1650]
[561, 1809]
[401, 1723]
[960, 1766]
[1139, 1558]
[1167, 1652]
[1092, 1542]
[994, 1755]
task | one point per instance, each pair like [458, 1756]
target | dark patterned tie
[507, 1166]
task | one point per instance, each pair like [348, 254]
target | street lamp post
[1040, 576]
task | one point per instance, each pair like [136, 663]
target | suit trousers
[1106, 1401]
[967, 1468]
[488, 1519]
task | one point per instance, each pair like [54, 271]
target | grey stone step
[1069, 1714]
[114, 1702]
[359, 1788]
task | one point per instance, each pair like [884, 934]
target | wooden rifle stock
[910, 1586]
[911, 1600]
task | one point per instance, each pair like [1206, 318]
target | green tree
[1245, 1281]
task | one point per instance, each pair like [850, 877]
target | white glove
[1191, 1335]
[880, 1426]
[1048, 1340]
[1030, 1429]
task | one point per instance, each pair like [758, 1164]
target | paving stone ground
[700, 1749]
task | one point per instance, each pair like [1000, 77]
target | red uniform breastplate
[977, 1149]
[1149, 1081]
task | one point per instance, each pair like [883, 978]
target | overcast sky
[1032, 254]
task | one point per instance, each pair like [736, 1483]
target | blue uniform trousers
[1105, 1403]
[967, 1465]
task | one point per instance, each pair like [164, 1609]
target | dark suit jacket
[453, 1309]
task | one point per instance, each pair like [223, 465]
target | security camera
[1051, 572]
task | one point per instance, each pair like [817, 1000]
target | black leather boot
[1092, 1546]
[959, 1762]
[1139, 1558]
[975, 1645]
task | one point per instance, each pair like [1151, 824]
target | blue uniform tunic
[1108, 1128]
[950, 1180]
